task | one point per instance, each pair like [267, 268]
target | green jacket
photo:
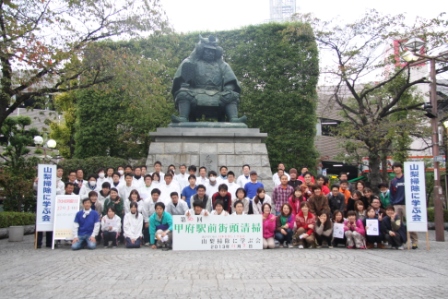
[119, 207]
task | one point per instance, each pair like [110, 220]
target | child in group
[269, 224]
[354, 231]
[285, 226]
[338, 218]
[374, 238]
[324, 230]
[394, 229]
[111, 227]
[132, 227]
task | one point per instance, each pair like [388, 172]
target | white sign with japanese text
[46, 192]
[217, 232]
[415, 194]
[66, 207]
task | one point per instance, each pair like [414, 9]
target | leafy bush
[431, 215]
[8, 219]
[92, 164]
[16, 184]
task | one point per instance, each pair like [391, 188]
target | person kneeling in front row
[132, 227]
[161, 226]
[111, 227]
[86, 227]
[305, 222]
[394, 229]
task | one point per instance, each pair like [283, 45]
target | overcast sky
[203, 15]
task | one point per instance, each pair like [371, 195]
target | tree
[41, 41]
[17, 138]
[373, 90]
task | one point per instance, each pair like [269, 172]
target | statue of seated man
[205, 85]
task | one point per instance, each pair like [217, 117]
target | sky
[211, 15]
[203, 15]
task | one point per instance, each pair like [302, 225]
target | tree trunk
[375, 174]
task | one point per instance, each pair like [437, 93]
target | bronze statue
[205, 85]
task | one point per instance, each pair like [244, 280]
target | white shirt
[166, 190]
[276, 179]
[210, 190]
[220, 180]
[223, 213]
[162, 175]
[179, 209]
[85, 190]
[138, 182]
[202, 181]
[232, 189]
[182, 179]
[145, 192]
[132, 226]
[243, 180]
[124, 193]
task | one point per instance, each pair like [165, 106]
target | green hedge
[92, 164]
[431, 215]
[8, 219]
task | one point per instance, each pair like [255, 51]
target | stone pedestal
[212, 148]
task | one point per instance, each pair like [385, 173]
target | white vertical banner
[46, 193]
[415, 193]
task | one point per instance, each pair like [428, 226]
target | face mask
[212, 179]
[101, 175]
[121, 172]
[92, 183]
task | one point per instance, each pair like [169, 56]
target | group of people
[130, 206]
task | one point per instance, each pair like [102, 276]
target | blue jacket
[397, 191]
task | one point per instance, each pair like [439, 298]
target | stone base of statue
[212, 145]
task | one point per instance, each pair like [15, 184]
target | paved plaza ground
[278, 273]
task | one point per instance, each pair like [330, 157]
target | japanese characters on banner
[46, 192]
[66, 207]
[415, 193]
[217, 232]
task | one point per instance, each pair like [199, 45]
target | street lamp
[50, 143]
[415, 45]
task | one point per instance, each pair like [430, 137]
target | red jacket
[295, 205]
[301, 222]
[269, 225]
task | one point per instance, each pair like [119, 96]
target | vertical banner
[66, 207]
[415, 193]
[46, 192]
[217, 232]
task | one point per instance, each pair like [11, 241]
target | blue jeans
[284, 238]
[81, 240]
[129, 244]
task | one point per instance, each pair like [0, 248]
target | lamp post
[50, 143]
[415, 44]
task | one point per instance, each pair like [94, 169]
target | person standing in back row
[397, 197]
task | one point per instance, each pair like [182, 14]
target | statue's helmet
[211, 42]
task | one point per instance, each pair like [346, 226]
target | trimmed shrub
[8, 219]
[431, 215]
